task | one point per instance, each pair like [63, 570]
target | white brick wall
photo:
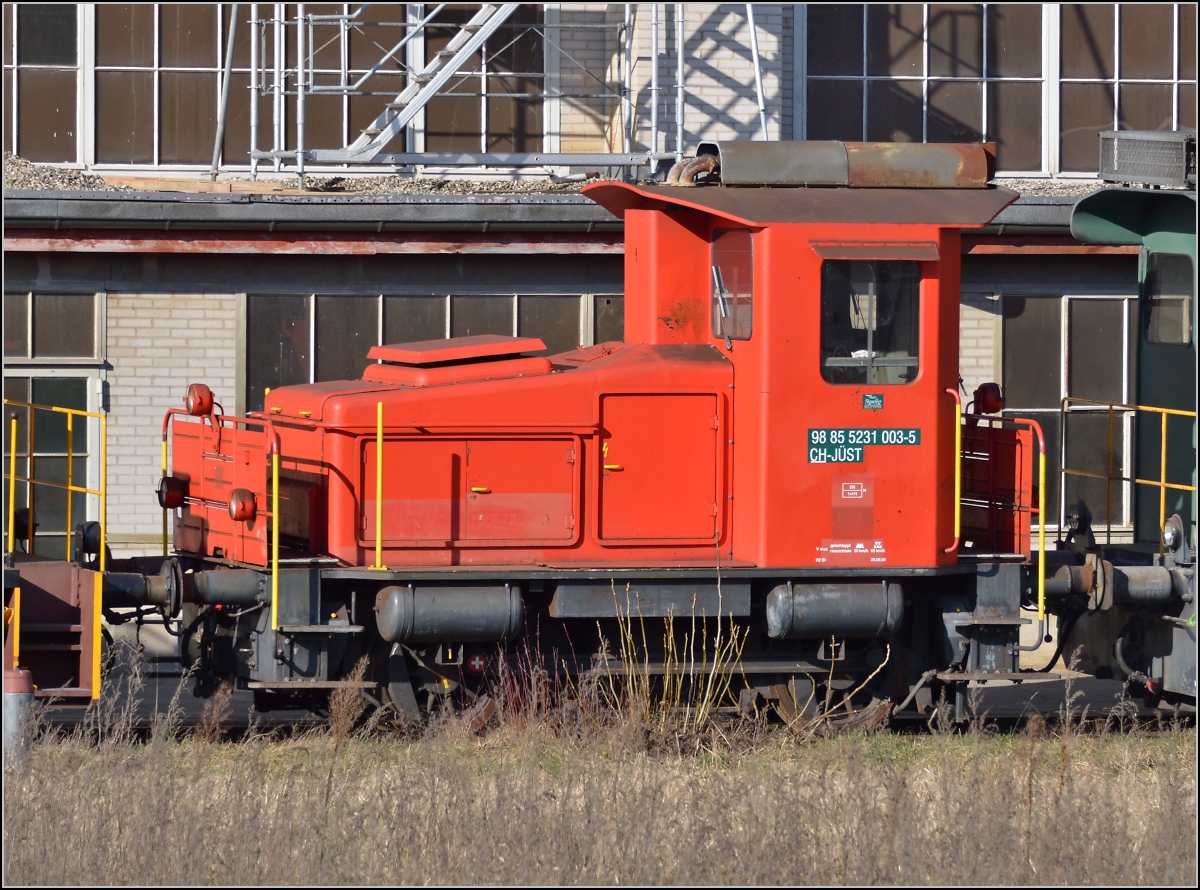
[978, 343]
[720, 95]
[157, 345]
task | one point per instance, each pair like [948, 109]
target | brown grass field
[556, 791]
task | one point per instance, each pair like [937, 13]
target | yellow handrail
[1161, 483]
[12, 488]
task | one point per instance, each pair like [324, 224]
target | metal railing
[1110, 477]
[69, 486]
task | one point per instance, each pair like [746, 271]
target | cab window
[870, 313]
[732, 284]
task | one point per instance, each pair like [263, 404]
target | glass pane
[241, 41]
[17, 389]
[1014, 40]
[370, 42]
[955, 112]
[1187, 42]
[452, 123]
[955, 39]
[1169, 297]
[413, 319]
[835, 108]
[554, 319]
[1096, 338]
[50, 504]
[125, 35]
[47, 34]
[16, 325]
[1015, 125]
[346, 328]
[1088, 450]
[236, 147]
[870, 316]
[1032, 344]
[1145, 106]
[893, 39]
[64, 325]
[835, 38]
[125, 117]
[277, 345]
[481, 315]
[732, 284]
[8, 34]
[1145, 40]
[188, 34]
[50, 427]
[515, 124]
[9, 79]
[189, 117]
[1087, 109]
[1187, 106]
[1087, 40]
[46, 129]
[610, 318]
[894, 111]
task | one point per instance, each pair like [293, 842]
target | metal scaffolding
[467, 54]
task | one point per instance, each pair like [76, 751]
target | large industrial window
[732, 284]
[1081, 346]
[315, 337]
[41, 80]
[870, 321]
[53, 353]
[1169, 283]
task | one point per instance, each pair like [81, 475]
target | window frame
[99, 355]
[719, 308]
[1148, 300]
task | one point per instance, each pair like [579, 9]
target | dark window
[610, 318]
[413, 319]
[1169, 295]
[833, 29]
[481, 315]
[955, 39]
[1032, 346]
[1014, 40]
[64, 326]
[47, 34]
[1087, 40]
[188, 32]
[46, 114]
[188, 116]
[1087, 109]
[347, 327]
[1092, 371]
[732, 284]
[870, 314]
[894, 42]
[553, 318]
[277, 345]
[835, 109]
[124, 35]
[16, 325]
[125, 117]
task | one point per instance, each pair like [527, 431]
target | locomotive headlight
[1172, 533]
[199, 400]
[242, 507]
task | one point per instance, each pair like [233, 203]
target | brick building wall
[157, 345]
[979, 355]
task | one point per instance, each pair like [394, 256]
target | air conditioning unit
[1149, 156]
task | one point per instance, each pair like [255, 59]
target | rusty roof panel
[763, 206]
[854, 164]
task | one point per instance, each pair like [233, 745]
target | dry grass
[547, 795]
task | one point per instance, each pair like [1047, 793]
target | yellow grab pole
[164, 472]
[1162, 478]
[957, 469]
[379, 486]
[275, 537]
[70, 460]
[12, 487]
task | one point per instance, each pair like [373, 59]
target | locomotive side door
[658, 480]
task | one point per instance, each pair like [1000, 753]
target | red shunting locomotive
[774, 446]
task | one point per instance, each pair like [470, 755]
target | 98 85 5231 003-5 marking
[845, 444]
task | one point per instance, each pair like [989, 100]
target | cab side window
[870, 314]
[1168, 317]
[732, 284]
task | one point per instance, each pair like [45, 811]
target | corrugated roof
[760, 206]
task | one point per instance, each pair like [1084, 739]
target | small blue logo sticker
[872, 401]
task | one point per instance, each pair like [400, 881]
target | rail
[1110, 477]
[70, 488]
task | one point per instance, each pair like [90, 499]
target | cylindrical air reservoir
[427, 613]
[841, 609]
